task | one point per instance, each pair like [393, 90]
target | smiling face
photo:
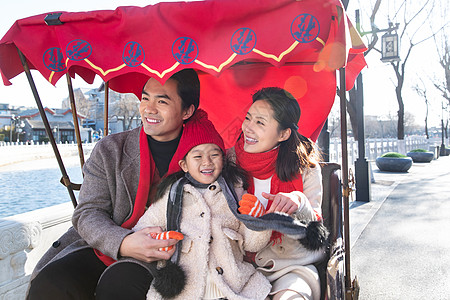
[204, 162]
[261, 130]
[161, 110]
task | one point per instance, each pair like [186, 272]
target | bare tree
[355, 91]
[84, 106]
[411, 126]
[442, 42]
[126, 106]
[410, 38]
[422, 92]
[444, 55]
[334, 124]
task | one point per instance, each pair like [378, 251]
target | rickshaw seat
[331, 270]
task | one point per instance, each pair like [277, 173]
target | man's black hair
[188, 87]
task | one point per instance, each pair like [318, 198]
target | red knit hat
[198, 130]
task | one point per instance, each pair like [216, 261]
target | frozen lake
[30, 185]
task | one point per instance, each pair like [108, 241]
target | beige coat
[289, 265]
[214, 244]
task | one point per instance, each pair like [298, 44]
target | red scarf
[262, 166]
[147, 170]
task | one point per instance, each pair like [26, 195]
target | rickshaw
[236, 47]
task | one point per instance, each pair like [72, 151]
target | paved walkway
[400, 241]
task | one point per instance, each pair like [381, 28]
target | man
[119, 179]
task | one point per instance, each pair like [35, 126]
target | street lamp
[10, 127]
[14, 121]
[389, 53]
[56, 132]
[389, 46]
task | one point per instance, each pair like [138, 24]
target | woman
[286, 178]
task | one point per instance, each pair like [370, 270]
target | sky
[378, 77]
[19, 93]
[422, 65]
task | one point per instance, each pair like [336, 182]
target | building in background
[60, 121]
[123, 110]
[23, 124]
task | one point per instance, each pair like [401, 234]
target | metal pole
[324, 142]
[47, 128]
[75, 119]
[442, 151]
[361, 163]
[345, 187]
[105, 112]
[10, 129]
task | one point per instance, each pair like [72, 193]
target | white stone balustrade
[376, 147]
[11, 153]
[24, 238]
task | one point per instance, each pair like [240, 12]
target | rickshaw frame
[351, 289]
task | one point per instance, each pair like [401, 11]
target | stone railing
[11, 153]
[24, 238]
[376, 147]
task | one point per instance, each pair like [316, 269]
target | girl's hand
[283, 202]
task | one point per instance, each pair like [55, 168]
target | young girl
[286, 178]
[212, 250]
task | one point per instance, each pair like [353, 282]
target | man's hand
[283, 202]
[250, 205]
[140, 245]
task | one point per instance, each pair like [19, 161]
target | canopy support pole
[65, 177]
[75, 120]
[106, 108]
[351, 292]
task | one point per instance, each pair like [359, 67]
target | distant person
[213, 238]
[119, 180]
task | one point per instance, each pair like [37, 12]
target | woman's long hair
[297, 152]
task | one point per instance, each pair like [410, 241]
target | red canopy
[237, 47]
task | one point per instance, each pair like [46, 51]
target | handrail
[351, 288]
[75, 120]
[105, 110]
[345, 194]
[65, 177]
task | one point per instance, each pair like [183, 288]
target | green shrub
[44, 139]
[418, 150]
[393, 154]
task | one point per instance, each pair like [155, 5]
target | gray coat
[111, 177]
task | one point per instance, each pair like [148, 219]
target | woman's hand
[283, 202]
[140, 245]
